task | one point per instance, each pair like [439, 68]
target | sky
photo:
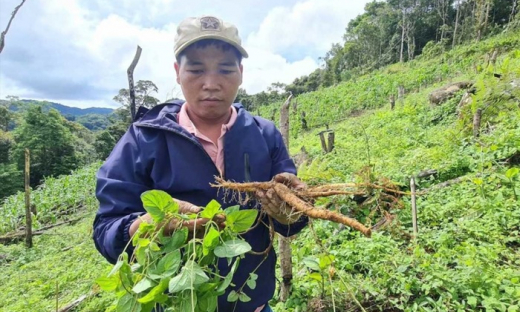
[76, 52]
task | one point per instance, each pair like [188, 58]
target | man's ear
[241, 68]
[177, 69]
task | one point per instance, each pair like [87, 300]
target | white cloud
[76, 52]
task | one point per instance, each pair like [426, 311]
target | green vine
[180, 272]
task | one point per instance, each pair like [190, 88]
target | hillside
[63, 109]
[93, 118]
[466, 256]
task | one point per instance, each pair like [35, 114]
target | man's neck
[211, 128]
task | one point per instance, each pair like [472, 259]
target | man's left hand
[275, 206]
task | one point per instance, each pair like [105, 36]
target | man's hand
[274, 205]
[196, 225]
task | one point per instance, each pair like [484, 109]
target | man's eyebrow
[192, 63]
[227, 63]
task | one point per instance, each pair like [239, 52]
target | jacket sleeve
[120, 182]
[282, 162]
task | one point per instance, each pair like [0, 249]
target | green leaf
[127, 303]
[157, 203]
[207, 303]
[143, 242]
[210, 241]
[233, 296]
[242, 220]
[191, 275]
[512, 172]
[189, 303]
[157, 293]
[107, 283]
[232, 248]
[140, 255]
[472, 301]
[312, 263]
[116, 267]
[231, 209]
[316, 276]
[229, 277]
[243, 297]
[143, 285]
[251, 283]
[169, 264]
[177, 240]
[212, 208]
[326, 261]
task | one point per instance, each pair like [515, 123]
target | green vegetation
[185, 267]
[466, 256]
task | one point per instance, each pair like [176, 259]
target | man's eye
[195, 71]
[226, 72]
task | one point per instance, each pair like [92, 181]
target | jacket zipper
[197, 143]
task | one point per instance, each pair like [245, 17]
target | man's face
[209, 79]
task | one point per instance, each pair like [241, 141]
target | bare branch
[2, 37]
[130, 73]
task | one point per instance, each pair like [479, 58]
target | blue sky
[76, 52]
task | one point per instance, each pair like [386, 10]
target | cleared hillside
[466, 257]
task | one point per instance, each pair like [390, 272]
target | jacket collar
[165, 115]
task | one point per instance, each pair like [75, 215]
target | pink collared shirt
[215, 151]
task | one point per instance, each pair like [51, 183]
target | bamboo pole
[28, 217]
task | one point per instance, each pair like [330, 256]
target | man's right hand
[192, 225]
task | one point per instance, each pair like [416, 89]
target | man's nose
[211, 81]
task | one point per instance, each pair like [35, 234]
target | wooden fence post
[284, 243]
[330, 141]
[476, 122]
[28, 217]
[400, 93]
[304, 121]
[323, 143]
[414, 207]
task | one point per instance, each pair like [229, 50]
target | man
[180, 147]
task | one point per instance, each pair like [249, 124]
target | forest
[421, 98]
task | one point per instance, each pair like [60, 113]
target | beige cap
[194, 29]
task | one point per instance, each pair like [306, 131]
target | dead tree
[2, 36]
[130, 74]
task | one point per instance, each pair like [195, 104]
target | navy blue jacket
[157, 153]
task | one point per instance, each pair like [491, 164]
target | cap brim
[211, 36]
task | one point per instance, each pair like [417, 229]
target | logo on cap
[209, 23]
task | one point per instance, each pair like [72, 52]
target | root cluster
[301, 201]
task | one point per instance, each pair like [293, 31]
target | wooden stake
[414, 207]
[284, 243]
[330, 143]
[130, 74]
[476, 123]
[28, 216]
[323, 143]
[392, 101]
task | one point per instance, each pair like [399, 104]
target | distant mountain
[73, 111]
[94, 118]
